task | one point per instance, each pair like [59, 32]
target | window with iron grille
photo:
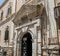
[6, 34]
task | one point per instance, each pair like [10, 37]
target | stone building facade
[35, 20]
[7, 12]
[29, 28]
[57, 16]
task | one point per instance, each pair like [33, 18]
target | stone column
[49, 4]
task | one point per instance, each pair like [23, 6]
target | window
[1, 15]
[9, 10]
[6, 34]
[57, 15]
[57, 11]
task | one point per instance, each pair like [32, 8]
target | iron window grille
[6, 34]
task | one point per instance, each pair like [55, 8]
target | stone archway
[26, 45]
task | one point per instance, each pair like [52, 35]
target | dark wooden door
[26, 45]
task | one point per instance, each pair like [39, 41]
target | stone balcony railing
[53, 41]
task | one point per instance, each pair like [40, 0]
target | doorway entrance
[26, 45]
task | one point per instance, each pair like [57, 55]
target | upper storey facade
[20, 3]
[7, 9]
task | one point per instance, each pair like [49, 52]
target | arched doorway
[26, 45]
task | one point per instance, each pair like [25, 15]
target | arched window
[6, 34]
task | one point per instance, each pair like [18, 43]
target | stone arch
[22, 33]
[19, 39]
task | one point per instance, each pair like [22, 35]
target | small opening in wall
[30, 19]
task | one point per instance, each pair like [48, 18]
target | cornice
[23, 11]
[7, 20]
[28, 9]
[4, 3]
